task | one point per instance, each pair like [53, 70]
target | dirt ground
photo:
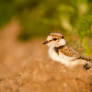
[26, 67]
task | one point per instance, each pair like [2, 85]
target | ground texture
[26, 67]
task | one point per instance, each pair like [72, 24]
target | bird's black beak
[45, 42]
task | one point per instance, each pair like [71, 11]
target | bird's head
[55, 40]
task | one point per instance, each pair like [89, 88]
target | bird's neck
[57, 48]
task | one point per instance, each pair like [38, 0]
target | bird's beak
[45, 42]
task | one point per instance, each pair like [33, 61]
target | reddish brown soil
[26, 67]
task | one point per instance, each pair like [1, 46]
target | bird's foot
[86, 66]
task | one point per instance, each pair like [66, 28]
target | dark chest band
[57, 49]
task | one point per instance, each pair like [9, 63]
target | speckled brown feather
[68, 51]
[56, 35]
[72, 53]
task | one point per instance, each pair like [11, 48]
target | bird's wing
[69, 52]
[85, 58]
[88, 63]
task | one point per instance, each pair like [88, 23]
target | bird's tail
[88, 63]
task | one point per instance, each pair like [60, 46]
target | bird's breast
[53, 55]
[60, 57]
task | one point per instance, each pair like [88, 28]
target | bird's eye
[54, 39]
[62, 37]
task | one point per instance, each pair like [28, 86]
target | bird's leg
[87, 66]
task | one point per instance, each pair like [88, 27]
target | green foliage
[6, 11]
[39, 17]
[84, 30]
[86, 47]
[40, 20]
[84, 25]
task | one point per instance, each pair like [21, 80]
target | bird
[59, 51]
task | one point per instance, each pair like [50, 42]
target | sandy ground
[26, 67]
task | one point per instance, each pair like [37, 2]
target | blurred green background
[40, 17]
